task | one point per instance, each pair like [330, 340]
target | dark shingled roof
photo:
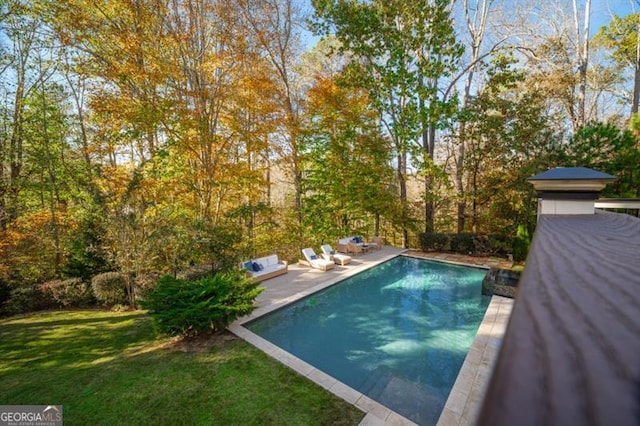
[570, 354]
[564, 173]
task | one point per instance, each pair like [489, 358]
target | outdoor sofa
[263, 268]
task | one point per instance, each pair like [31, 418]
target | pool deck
[468, 392]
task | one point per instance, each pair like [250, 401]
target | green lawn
[109, 368]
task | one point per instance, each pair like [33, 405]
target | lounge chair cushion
[257, 267]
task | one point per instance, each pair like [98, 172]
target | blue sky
[602, 10]
[601, 13]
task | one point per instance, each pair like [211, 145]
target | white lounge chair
[311, 259]
[330, 254]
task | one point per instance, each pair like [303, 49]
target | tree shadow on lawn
[85, 338]
[122, 374]
[45, 318]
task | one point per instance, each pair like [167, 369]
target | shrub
[498, 245]
[462, 243]
[145, 283]
[180, 307]
[110, 288]
[195, 273]
[433, 242]
[27, 299]
[5, 294]
[521, 244]
[70, 292]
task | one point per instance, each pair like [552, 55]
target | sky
[601, 13]
[602, 10]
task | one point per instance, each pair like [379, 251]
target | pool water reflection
[398, 332]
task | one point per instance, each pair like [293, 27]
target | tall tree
[477, 15]
[347, 164]
[276, 26]
[582, 55]
[557, 50]
[402, 51]
[20, 76]
[622, 37]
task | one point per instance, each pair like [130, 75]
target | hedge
[473, 244]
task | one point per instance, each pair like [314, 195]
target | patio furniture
[263, 268]
[312, 259]
[330, 254]
[357, 248]
[353, 245]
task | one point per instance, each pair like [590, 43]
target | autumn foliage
[151, 137]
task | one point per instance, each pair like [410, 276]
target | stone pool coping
[467, 393]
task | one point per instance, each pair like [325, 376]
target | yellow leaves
[328, 99]
[29, 239]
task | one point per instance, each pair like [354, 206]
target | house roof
[572, 173]
[570, 352]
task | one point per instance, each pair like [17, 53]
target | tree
[622, 38]
[609, 149]
[511, 138]
[558, 55]
[45, 130]
[582, 55]
[274, 24]
[401, 52]
[347, 167]
[20, 76]
[477, 17]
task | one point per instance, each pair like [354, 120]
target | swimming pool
[398, 332]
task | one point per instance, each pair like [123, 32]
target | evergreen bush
[110, 288]
[180, 307]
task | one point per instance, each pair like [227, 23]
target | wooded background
[148, 135]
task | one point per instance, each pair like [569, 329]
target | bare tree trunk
[402, 184]
[583, 58]
[3, 181]
[429, 143]
[636, 79]
[15, 154]
[54, 194]
[476, 25]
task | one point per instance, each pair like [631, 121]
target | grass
[109, 368]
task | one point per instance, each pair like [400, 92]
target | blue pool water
[398, 333]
